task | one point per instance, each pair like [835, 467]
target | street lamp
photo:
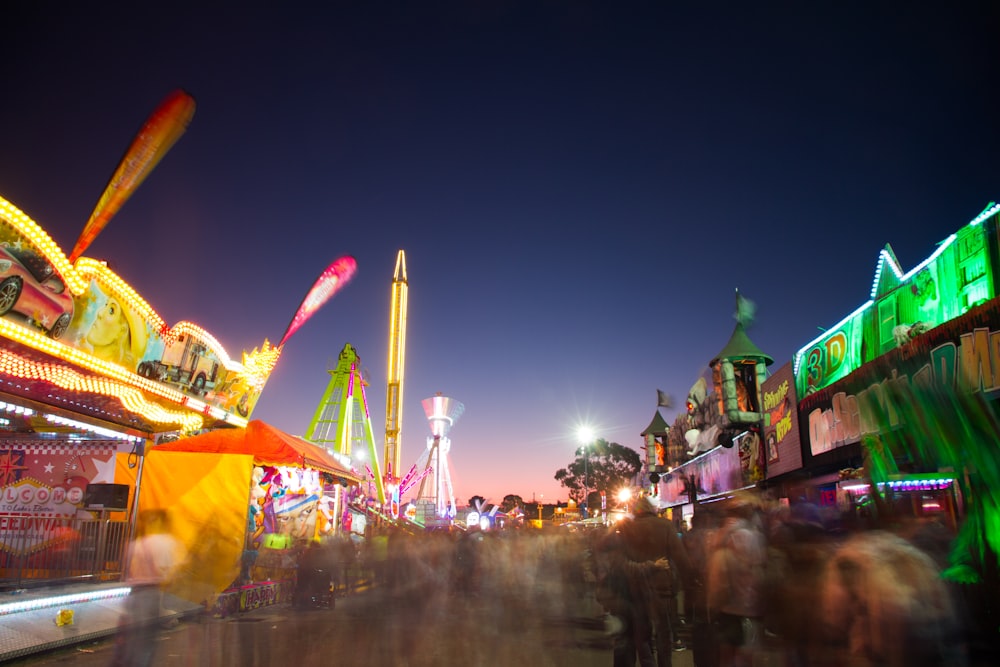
[585, 435]
[625, 495]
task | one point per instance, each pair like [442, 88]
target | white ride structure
[442, 413]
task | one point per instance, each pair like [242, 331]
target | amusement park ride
[90, 368]
[396, 365]
[442, 413]
[75, 336]
[342, 422]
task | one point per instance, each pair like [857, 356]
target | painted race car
[30, 286]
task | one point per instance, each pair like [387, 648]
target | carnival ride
[396, 364]
[138, 371]
[442, 413]
[342, 419]
[341, 422]
[395, 485]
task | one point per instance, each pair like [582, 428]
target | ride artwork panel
[64, 310]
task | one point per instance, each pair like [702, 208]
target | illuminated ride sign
[955, 278]
[962, 355]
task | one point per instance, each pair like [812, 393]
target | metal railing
[41, 550]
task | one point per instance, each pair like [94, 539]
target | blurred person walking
[696, 543]
[377, 556]
[314, 577]
[798, 549]
[884, 604]
[153, 560]
[345, 556]
[736, 572]
[467, 562]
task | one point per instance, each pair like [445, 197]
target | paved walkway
[28, 618]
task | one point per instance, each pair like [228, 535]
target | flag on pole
[663, 400]
[745, 310]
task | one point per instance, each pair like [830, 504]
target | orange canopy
[267, 444]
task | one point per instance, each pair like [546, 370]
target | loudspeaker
[106, 496]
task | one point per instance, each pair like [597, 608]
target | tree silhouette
[510, 501]
[477, 503]
[601, 466]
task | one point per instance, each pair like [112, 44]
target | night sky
[580, 187]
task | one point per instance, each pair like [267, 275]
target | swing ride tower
[442, 413]
[341, 422]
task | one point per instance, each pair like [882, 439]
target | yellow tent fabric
[207, 496]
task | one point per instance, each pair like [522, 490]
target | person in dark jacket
[314, 578]
[652, 552]
[625, 594]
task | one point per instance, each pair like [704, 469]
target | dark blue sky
[579, 186]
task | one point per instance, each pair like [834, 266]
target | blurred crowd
[765, 583]
[748, 582]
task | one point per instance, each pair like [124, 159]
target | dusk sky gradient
[580, 187]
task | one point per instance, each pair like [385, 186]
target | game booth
[245, 502]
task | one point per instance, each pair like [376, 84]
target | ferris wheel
[442, 413]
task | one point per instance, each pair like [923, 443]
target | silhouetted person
[696, 542]
[652, 550]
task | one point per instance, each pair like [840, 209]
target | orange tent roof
[267, 444]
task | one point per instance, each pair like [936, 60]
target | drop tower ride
[392, 461]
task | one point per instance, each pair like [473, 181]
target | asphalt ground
[372, 628]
